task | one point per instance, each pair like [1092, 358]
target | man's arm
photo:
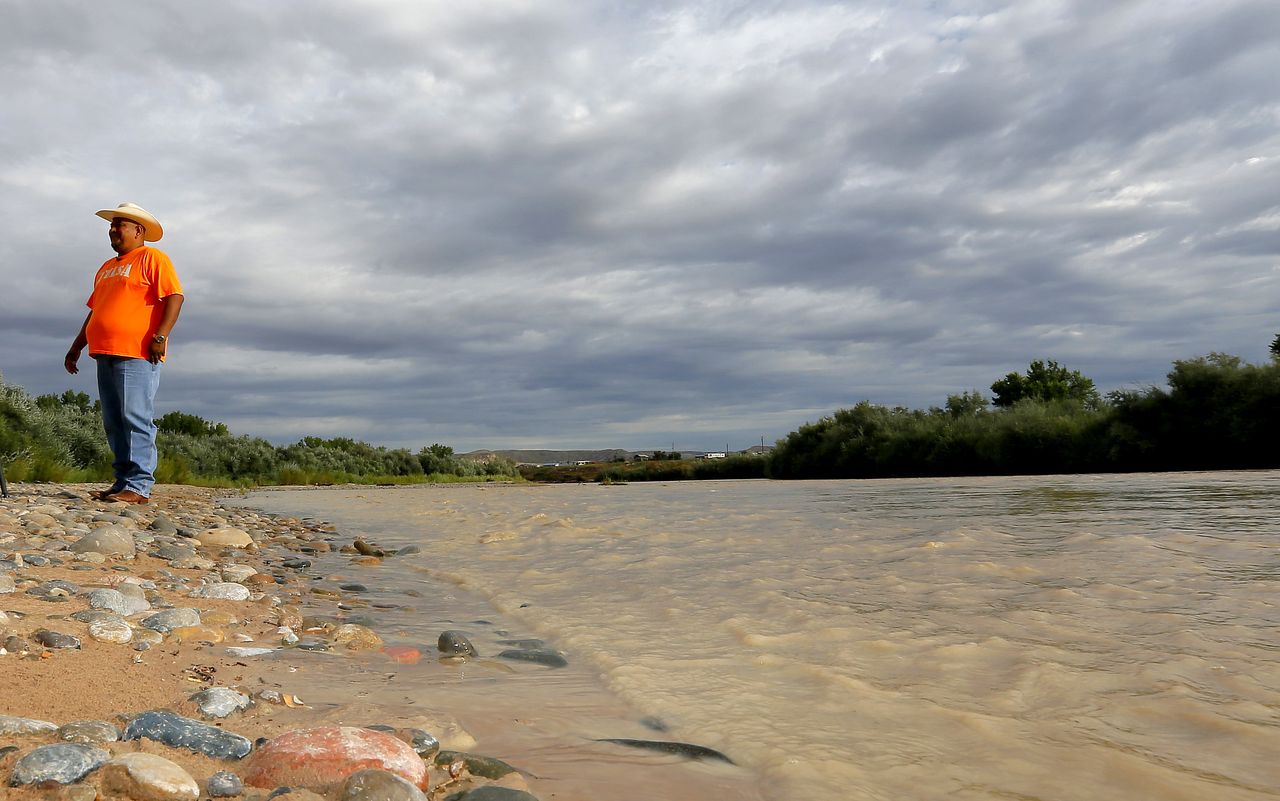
[171, 305]
[73, 353]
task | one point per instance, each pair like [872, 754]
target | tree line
[60, 438]
[1218, 412]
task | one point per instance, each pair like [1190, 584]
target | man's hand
[69, 362]
[158, 350]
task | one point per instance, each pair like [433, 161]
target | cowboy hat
[151, 230]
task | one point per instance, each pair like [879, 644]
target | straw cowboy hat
[151, 230]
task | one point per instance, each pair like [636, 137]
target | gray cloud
[600, 224]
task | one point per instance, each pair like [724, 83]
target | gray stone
[89, 732]
[63, 763]
[224, 784]
[170, 619]
[455, 643]
[378, 785]
[491, 793]
[237, 573]
[55, 639]
[224, 590]
[680, 749]
[174, 552]
[540, 656]
[112, 600]
[10, 725]
[179, 732]
[219, 702]
[112, 540]
[57, 590]
[96, 615]
[477, 765]
[6, 585]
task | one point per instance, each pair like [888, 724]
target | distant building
[714, 455]
[581, 462]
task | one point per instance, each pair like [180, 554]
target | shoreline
[330, 667]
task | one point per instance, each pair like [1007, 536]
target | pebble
[243, 652]
[7, 585]
[378, 785]
[322, 758]
[116, 631]
[491, 794]
[55, 639]
[111, 540]
[61, 763]
[111, 600]
[224, 784]
[170, 619]
[357, 638]
[455, 643]
[540, 656]
[224, 590]
[219, 702]
[477, 765]
[148, 777]
[10, 725]
[226, 537]
[179, 732]
[89, 731]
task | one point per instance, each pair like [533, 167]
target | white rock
[147, 777]
[225, 537]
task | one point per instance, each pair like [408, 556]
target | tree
[1275, 349]
[1046, 381]
[966, 404]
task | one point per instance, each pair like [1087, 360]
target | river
[1065, 638]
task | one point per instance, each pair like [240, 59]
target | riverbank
[112, 612]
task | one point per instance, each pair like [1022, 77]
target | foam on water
[1086, 637]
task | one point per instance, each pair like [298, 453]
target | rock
[62, 763]
[179, 732]
[357, 638]
[170, 619]
[163, 525]
[111, 540]
[378, 785]
[148, 777]
[426, 745]
[296, 563]
[237, 573]
[680, 749]
[477, 765]
[55, 639]
[322, 758]
[10, 725]
[89, 731]
[491, 793]
[7, 585]
[455, 643]
[225, 538]
[241, 652]
[219, 702]
[223, 590]
[365, 549]
[175, 553]
[407, 550]
[208, 634]
[116, 631]
[541, 656]
[403, 654]
[294, 794]
[224, 784]
[54, 590]
[111, 600]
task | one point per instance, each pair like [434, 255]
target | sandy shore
[90, 678]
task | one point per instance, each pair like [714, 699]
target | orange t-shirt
[126, 302]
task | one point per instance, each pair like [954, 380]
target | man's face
[126, 235]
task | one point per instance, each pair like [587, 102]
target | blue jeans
[127, 390]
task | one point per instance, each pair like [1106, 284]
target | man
[134, 305]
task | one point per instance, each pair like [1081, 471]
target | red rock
[322, 758]
[404, 654]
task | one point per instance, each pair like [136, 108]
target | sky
[699, 225]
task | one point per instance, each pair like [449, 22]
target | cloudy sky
[543, 223]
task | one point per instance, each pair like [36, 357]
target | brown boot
[128, 496]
